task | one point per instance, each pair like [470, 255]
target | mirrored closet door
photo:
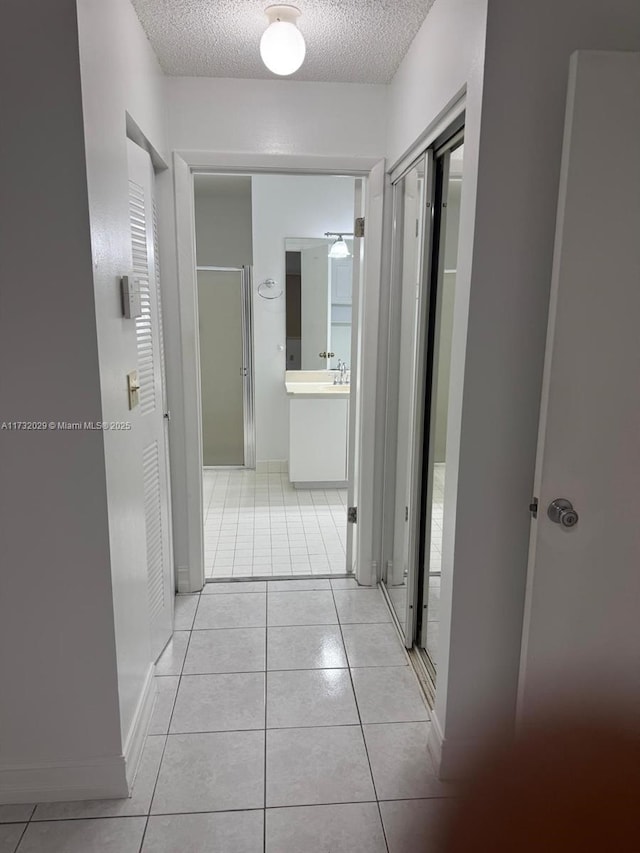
[427, 200]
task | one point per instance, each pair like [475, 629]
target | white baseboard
[452, 757]
[330, 484]
[100, 778]
[134, 742]
[272, 466]
[94, 779]
[183, 579]
[434, 742]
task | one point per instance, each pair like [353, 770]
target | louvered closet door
[149, 418]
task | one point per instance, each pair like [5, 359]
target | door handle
[561, 512]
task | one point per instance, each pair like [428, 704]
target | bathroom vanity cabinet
[318, 433]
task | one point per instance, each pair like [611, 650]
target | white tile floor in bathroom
[287, 721]
[257, 524]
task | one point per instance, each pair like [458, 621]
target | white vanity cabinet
[318, 429]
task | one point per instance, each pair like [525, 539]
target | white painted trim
[225, 161]
[353, 471]
[328, 484]
[92, 779]
[190, 358]
[185, 164]
[183, 579]
[98, 778]
[453, 759]
[436, 128]
[435, 740]
[134, 742]
[368, 499]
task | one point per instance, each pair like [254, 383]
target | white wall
[119, 74]
[525, 84]
[445, 57]
[58, 699]
[285, 206]
[275, 116]
[512, 160]
[444, 61]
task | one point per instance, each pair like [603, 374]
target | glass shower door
[226, 366]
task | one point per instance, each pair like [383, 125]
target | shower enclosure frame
[248, 365]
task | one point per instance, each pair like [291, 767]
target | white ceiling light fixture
[339, 248]
[282, 46]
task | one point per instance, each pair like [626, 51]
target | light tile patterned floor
[287, 720]
[256, 524]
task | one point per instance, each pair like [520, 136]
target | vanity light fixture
[282, 46]
[339, 248]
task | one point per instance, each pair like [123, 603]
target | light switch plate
[133, 389]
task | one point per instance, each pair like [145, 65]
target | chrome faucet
[342, 368]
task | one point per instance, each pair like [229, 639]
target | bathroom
[276, 266]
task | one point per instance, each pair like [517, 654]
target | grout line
[281, 669]
[445, 797]
[266, 664]
[24, 831]
[364, 740]
[166, 739]
[294, 624]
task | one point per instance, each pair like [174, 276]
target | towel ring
[269, 289]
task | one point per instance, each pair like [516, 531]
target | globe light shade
[339, 249]
[282, 46]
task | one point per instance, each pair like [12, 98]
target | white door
[355, 401]
[151, 422]
[411, 196]
[581, 640]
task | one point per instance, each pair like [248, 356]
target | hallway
[287, 720]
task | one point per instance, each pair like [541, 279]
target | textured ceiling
[356, 41]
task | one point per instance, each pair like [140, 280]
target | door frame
[369, 389]
[248, 387]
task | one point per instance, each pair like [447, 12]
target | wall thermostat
[130, 292]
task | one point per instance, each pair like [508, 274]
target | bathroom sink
[317, 389]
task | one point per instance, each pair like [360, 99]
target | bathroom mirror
[318, 304]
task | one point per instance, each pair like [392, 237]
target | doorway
[427, 199]
[279, 507]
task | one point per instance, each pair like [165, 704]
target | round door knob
[561, 512]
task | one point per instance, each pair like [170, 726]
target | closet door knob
[561, 511]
